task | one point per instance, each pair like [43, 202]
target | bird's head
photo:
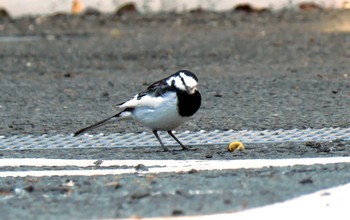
[184, 80]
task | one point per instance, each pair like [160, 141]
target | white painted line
[214, 164]
[324, 204]
[153, 166]
[332, 203]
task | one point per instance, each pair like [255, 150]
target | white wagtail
[164, 106]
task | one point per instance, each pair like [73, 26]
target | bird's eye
[173, 83]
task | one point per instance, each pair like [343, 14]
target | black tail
[99, 124]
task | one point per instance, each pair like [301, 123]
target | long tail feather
[97, 125]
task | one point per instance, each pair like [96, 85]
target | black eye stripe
[183, 81]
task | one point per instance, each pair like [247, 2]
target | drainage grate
[146, 139]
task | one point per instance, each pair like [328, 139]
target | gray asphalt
[280, 70]
[168, 194]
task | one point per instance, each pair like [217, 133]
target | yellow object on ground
[235, 145]
[77, 7]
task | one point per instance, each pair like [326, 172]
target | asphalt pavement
[257, 71]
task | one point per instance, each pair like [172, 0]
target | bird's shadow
[171, 150]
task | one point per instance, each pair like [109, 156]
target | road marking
[324, 204]
[153, 166]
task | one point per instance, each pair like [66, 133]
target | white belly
[162, 115]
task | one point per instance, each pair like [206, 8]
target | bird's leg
[155, 132]
[177, 140]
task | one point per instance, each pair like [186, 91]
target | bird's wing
[158, 84]
[151, 97]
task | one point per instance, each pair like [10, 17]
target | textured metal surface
[188, 138]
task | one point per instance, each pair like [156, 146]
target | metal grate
[146, 139]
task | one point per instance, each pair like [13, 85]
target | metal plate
[146, 139]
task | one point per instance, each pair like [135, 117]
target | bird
[164, 106]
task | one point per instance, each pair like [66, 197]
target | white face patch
[189, 81]
[183, 82]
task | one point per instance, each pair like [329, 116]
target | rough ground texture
[278, 70]
[256, 71]
[166, 194]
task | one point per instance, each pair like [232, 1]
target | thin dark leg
[177, 140]
[155, 132]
